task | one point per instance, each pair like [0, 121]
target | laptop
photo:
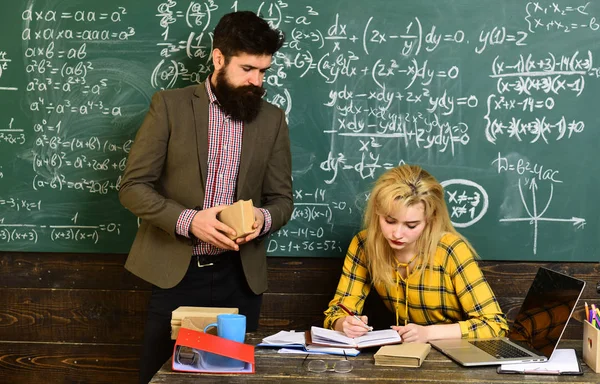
[537, 329]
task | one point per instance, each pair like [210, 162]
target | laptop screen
[546, 310]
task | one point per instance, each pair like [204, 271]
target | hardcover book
[402, 355]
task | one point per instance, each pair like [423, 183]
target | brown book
[240, 217]
[402, 355]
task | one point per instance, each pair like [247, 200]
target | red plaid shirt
[224, 150]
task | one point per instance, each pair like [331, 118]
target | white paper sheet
[562, 360]
[285, 337]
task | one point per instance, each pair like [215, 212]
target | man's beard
[241, 103]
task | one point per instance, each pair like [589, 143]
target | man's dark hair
[245, 32]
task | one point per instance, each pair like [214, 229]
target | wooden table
[272, 367]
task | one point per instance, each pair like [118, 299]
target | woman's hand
[352, 327]
[413, 333]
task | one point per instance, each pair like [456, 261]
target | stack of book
[195, 318]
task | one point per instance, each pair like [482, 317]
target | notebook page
[375, 337]
[562, 360]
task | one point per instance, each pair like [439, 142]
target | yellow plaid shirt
[457, 291]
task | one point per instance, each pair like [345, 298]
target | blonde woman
[425, 272]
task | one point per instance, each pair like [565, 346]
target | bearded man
[199, 150]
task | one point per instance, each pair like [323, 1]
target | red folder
[204, 343]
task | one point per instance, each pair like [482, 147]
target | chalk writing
[535, 216]
[497, 100]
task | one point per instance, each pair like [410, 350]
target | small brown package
[240, 217]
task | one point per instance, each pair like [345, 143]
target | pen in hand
[345, 309]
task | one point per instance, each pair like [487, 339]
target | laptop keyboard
[499, 348]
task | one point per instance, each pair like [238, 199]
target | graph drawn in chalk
[467, 201]
[535, 217]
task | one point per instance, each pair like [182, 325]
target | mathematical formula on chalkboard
[497, 100]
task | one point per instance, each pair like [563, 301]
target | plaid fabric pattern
[540, 327]
[185, 220]
[454, 290]
[224, 152]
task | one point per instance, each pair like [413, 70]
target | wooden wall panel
[67, 271]
[286, 275]
[79, 318]
[32, 363]
[72, 315]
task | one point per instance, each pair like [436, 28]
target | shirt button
[225, 147]
[220, 176]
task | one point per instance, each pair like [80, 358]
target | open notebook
[291, 341]
[321, 340]
[331, 338]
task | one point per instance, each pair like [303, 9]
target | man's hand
[259, 222]
[206, 227]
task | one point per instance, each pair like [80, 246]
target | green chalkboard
[496, 98]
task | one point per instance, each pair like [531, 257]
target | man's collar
[211, 95]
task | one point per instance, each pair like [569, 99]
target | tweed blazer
[166, 173]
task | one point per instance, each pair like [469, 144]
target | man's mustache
[252, 89]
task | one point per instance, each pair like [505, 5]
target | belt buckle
[202, 265]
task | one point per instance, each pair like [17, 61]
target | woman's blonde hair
[405, 185]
